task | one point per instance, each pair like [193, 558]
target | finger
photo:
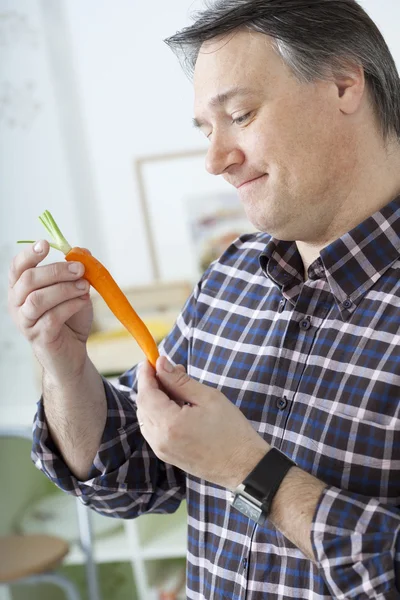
[48, 327]
[153, 403]
[43, 300]
[139, 419]
[44, 276]
[28, 258]
[147, 378]
[180, 386]
[180, 403]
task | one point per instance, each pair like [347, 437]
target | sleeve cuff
[121, 421]
[356, 544]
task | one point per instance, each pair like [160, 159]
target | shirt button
[282, 403]
[305, 324]
[244, 564]
[281, 305]
[347, 303]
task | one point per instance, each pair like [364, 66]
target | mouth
[250, 181]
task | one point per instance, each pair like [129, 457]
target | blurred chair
[32, 559]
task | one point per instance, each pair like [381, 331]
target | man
[288, 349]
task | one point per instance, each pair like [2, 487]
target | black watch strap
[264, 481]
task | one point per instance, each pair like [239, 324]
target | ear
[350, 89]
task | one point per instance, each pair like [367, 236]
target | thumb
[178, 384]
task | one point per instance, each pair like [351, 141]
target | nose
[222, 154]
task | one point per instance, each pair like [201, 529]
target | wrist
[246, 462]
[67, 383]
[255, 495]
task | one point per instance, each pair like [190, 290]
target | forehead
[241, 58]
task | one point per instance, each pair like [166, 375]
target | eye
[242, 119]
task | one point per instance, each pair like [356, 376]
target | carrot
[102, 281]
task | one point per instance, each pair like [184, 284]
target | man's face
[280, 142]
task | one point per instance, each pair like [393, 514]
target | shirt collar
[351, 265]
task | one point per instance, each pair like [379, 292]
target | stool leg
[71, 593]
[5, 593]
[86, 539]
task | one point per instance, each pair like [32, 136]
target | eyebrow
[223, 98]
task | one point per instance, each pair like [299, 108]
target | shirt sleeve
[126, 478]
[356, 541]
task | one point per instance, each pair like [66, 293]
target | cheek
[309, 144]
[320, 133]
[279, 136]
[297, 137]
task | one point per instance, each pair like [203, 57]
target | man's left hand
[209, 438]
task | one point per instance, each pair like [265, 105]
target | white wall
[34, 171]
[91, 86]
[79, 99]
[386, 15]
[136, 101]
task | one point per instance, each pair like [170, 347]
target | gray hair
[315, 38]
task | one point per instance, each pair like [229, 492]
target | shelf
[154, 594]
[169, 576]
[110, 548]
[167, 543]
[162, 535]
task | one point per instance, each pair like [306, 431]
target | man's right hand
[51, 306]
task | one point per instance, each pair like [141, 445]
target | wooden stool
[27, 559]
[30, 558]
[25, 555]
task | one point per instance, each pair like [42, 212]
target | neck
[366, 191]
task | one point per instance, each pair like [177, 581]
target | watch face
[246, 508]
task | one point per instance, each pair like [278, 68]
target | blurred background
[95, 126]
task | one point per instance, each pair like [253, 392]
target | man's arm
[294, 506]
[76, 415]
[353, 539]
[125, 478]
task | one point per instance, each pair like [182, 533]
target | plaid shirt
[315, 367]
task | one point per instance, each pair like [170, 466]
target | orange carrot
[102, 281]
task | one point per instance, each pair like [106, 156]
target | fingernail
[81, 284]
[38, 247]
[75, 268]
[167, 366]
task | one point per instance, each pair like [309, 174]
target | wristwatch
[254, 496]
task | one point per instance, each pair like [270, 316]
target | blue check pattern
[315, 367]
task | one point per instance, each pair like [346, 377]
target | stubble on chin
[273, 216]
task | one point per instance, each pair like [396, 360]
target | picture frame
[170, 187]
